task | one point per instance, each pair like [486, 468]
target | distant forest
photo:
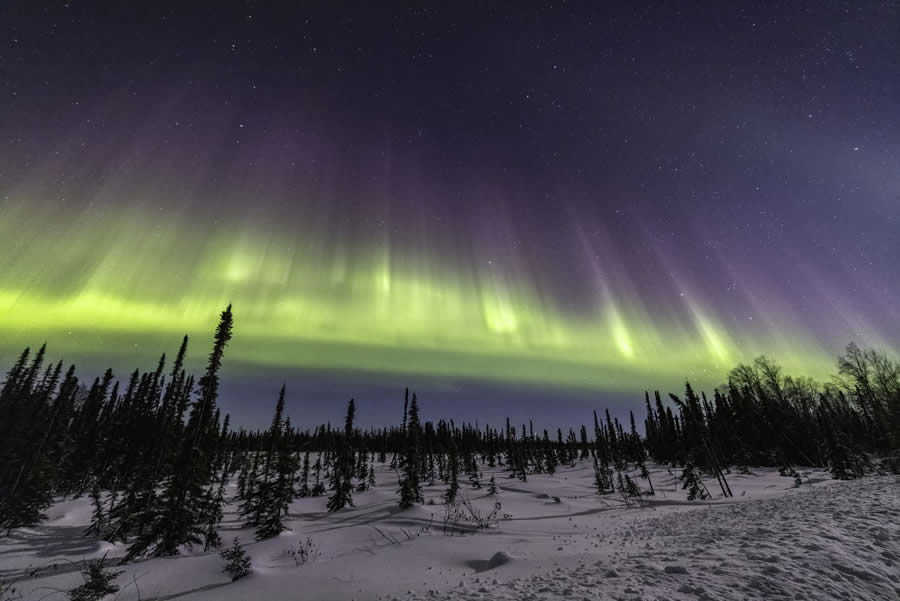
[155, 454]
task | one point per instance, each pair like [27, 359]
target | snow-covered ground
[824, 540]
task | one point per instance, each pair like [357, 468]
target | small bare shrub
[463, 516]
[305, 552]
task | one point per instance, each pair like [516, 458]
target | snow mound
[498, 559]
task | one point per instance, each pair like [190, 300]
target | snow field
[825, 540]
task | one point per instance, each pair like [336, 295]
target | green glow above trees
[304, 302]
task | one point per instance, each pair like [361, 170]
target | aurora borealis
[475, 202]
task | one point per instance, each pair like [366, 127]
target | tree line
[155, 454]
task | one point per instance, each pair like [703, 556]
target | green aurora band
[115, 287]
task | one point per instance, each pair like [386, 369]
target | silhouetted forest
[155, 453]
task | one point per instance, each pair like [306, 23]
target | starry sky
[520, 209]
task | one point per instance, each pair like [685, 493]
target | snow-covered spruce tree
[410, 488]
[692, 483]
[640, 453]
[453, 473]
[631, 488]
[139, 439]
[249, 506]
[473, 472]
[243, 478]
[442, 461]
[562, 449]
[288, 465]
[126, 460]
[31, 421]
[237, 562]
[370, 482]
[265, 509]
[584, 447]
[522, 460]
[550, 463]
[214, 500]
[513, 459]
[281, 492]
[492, 486]
[405, 409]
[303, 482]
[98, 582]
[318, 488]
[430, 473]
[645, 474]
[599, 480]
[696, 430]
[253, 509]
[398, 458]
[296, 460]
[342, 472]
[98, 516]
[80, 461]
[362, 471]
[178, 521]
[844, 465]
[474, 482]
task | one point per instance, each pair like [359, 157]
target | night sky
[534, 211]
